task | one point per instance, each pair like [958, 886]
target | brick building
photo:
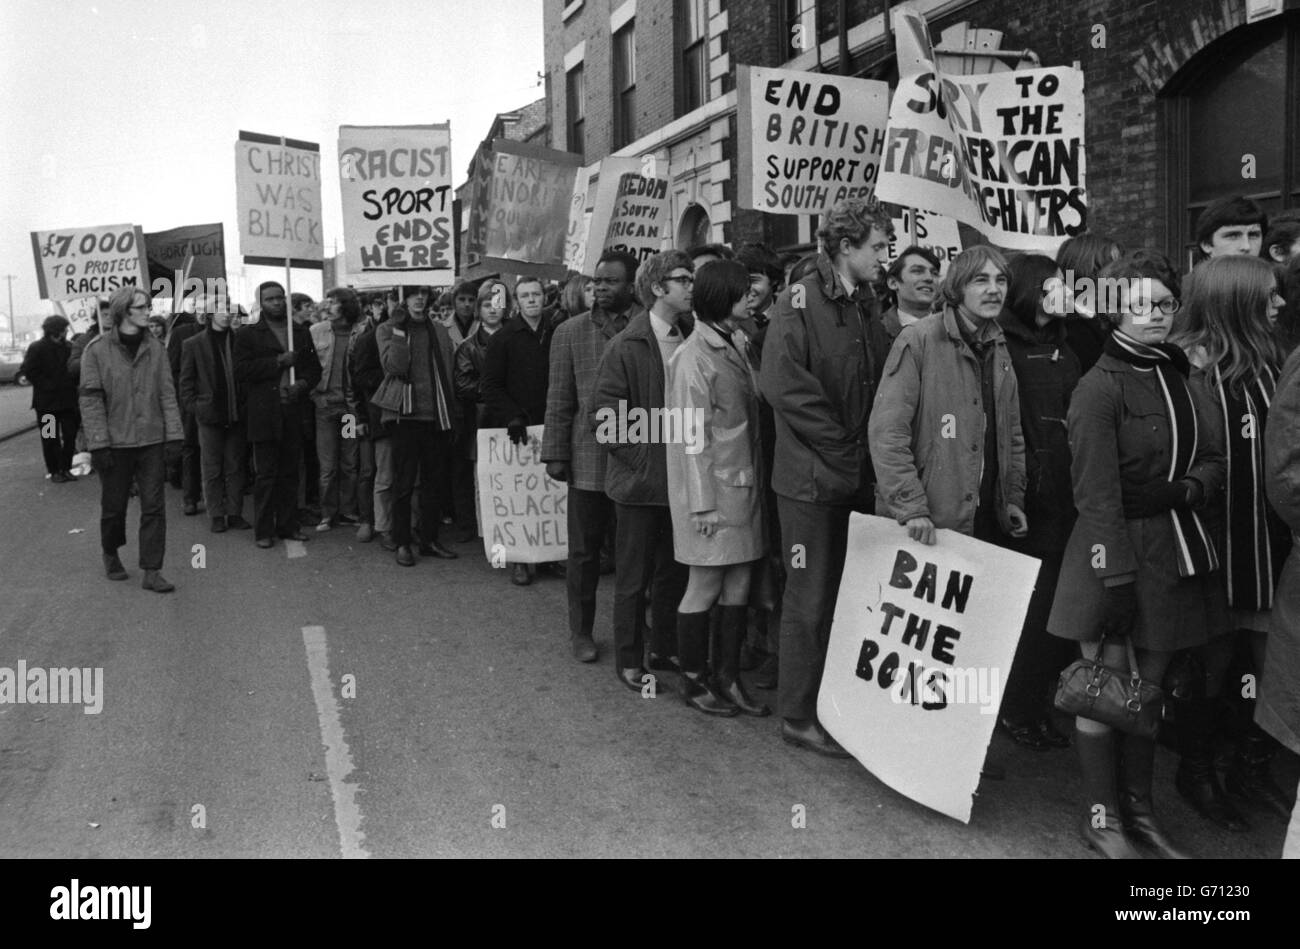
[1187, 100]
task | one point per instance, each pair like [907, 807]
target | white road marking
[295, 548]
[338, 759]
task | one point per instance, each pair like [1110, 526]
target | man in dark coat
[822, 361]
[264, 354]
[516, 371]
[54, 397]
[185, 327]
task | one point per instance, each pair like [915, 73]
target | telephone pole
[13, 325]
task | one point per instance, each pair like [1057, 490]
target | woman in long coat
[715, 480]
[1228, 335]
[1277, 710]
[1145, 456]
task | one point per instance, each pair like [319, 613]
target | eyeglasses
[686, 281]
[142, 306]
[1168, 306]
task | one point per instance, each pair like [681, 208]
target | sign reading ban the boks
[524, 512]
[920, 649]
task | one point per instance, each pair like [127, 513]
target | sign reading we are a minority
[1002, 152]
[920, 648]
[397, 203]
[807, 140]
[277, 191]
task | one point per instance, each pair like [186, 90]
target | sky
[127, 111]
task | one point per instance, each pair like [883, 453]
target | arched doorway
[694, 228]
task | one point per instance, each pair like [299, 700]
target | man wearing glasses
[632, 378]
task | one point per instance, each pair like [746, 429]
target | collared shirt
[669, 337]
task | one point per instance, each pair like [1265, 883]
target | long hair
[120, 302]
[1227, 306]
[571, 299]
[1086, 255]
[1026, 285]
[965, 267]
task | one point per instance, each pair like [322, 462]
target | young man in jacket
[631, 381]
[821, 363]
[133, 427]
[185, 327]
[516, 370]
[570, 450]
[373, 509]
[338, 428]
[913, 278]
[54, 397]
[208, 393]
[264, 354]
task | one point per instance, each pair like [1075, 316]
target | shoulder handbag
[393, 395]
[1122, 700]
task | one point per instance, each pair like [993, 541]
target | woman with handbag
[1137, 579]
[1228, 336]
[715, 480]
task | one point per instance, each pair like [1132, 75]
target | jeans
[191, 462]
[337, 457]
[222, 449]
[146, 467]
[811, 591]
[383, 494]
[419, 450]
[643, 547]
[590, 513]
[275, 490]
[61, 443]
[366, 480]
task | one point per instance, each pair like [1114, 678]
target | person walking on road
[133, 427]
[54, 397]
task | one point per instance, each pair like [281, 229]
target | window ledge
[573, 7]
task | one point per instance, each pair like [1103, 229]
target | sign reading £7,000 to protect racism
[89, 261]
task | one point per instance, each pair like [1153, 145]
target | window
[1231, 119]
[692, 16]
[575, 97]
[820, 18]
[625, 85]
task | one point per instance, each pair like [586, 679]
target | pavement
[15, 410]
[320, 701]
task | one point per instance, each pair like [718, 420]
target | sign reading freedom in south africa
[520, 214]
[89, 261]
[277, 191]
[523, 511]
[1002, 152]
[397, 197]
[920, 648]
[807, 140]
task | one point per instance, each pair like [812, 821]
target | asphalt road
[15, 409]
[229, 728]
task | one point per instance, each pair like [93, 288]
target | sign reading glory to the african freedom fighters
[1002, 152]
[919, 652]
[277, 191]
[807, 140]
[397, 203]
[89, 261]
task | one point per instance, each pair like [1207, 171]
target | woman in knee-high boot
[715, 485]
[1232, 304]
[1140, 562]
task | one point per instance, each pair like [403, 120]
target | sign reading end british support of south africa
[807, 140]
[920, 648]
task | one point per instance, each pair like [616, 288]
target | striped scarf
[1256, 539]
[1193, 546]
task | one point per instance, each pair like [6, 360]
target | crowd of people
[1133, 428]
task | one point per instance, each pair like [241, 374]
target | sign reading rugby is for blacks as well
[807, 140]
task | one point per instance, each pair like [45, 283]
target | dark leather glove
[285, 360]
[518, 431]
[1157, 496]
[101, 459]
[557, 470]
[172, 452]
[400, 315]
[1119, 609]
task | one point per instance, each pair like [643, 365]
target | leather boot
[1101, 826]
[1196, 780]
[731, 638]
[1249, 778]
[697, 691]
[113, 568]
[1137, 758]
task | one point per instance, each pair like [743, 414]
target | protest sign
[89, 261]
[522, 509]
[630, 209]
[1002, 152]
[521, 217]
[396, 186]
[277, 193]
[807, 140]
[920, 648]
[579, 225]
[935, 232]
[196, 252]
